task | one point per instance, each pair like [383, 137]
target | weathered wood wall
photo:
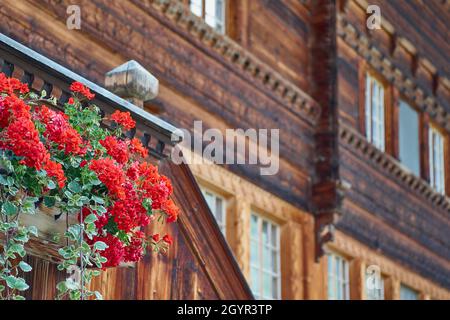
[113, 32]
[386, 208]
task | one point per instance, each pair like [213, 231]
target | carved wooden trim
[408, 86]
[392, 270]
[264, 76]
[354, 141]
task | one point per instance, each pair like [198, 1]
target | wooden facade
[295, 65]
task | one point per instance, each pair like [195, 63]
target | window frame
[222, 224]
[345, 280]
[225, 15]
[260, 267]
[396, 131]
[364, 73]
[445, 157]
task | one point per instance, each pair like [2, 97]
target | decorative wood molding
[392, 270]
[408, 86]
[260, 73]
[357, 143]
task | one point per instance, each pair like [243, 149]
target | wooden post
[132, 82]
[392, 289]
[292, 271]
[357, 278]
[238, 232]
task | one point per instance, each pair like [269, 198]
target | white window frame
[222, 223]
[218, 23]
[374, 112]
[275, 271]
[338, 284]
[436, 151]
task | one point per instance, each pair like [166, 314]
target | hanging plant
[69, 161]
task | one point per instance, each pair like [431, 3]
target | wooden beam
[357, 279]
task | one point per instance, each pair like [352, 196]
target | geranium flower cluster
[62, 145]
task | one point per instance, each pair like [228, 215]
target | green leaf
[71, 285]
[24, 266]
[21, 285]
[9, 208]
[11, 281]
[61, 286]
[49, 201]
[100, 246]
[74, 187]
[3, 180]
[75, 295]
[17, 297]
[97, 200]
[101, 209]
[51, 184]
[90, 218]
[33, 230]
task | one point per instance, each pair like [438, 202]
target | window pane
[219, 208]
[264, 256]
[409, 138]
[407, 293]
[254, 226]
[254, 280]
[216, 204]
[436, 156]
[374, 112]
[196, 7]
[265, 232]
[267, 258]
[254, 255]
[338, 286]
[275, 282]
[267, 285]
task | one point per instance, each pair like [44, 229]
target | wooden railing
[41, 73]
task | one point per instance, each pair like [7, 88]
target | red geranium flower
[168, 239]
[111, 175]
[83, 90]
[124, 119]
[55, 169]
[116, 148]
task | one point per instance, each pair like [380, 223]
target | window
[217, 205]
[408, 125]
[338, 278]
[374, 287]
[265, 277]
[374, 112]
[212, 11]
[406, 293]
[436, 160]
